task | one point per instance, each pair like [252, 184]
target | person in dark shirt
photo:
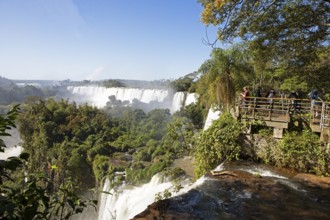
[258, 92]
[293, 96]
[271, 94]
[314, 97]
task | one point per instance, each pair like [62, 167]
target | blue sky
[101, 39]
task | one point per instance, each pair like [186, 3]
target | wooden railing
[282, 109]
[325, 116]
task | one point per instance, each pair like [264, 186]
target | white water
[178, 101]
[10, 152]
[255, 170]
[191, 99]
[99, 96]
[262, 172]
[129, 201]
[12, 142]
[211, 116]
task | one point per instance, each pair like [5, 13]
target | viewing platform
[279, 113]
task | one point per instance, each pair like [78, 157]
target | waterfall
[128, 201]
[13, 143]
[99, 96]
[11, 152]
[178, 101]
[150, 98]
[211, 116]
[191, 99]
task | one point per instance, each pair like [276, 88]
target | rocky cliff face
[236, 194]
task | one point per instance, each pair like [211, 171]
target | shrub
[220, 142]
[303, 152]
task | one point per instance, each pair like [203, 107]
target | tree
[286, 33]
[185, 84]
[25, 195]
[226, 71]
[288, 40]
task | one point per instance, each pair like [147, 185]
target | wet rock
[314, 181]
[237, 194]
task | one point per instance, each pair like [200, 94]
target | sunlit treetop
[294, 25]
[290, 35]
[276, 18]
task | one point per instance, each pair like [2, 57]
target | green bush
[298, 150]
[303, 152]
[143, 175]
[220, 142]
[142, 155]
[101, 166]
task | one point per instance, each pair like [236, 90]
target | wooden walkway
[280, 112]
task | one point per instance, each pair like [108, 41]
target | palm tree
[229, 69]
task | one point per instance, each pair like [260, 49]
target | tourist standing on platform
[293, 96]
[298, 101]
[245, 97]
[271, 94]
[314, 96]
[257, 94]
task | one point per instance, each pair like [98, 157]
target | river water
[245, 190]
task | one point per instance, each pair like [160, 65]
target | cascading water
[128, 201]
[191, 99]
[99, 96]
[156, 98]
[13, 148]
[211, 116]
[178, 101]
[10, 152]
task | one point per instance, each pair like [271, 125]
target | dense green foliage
[59, 134]
[301, 151]
[286, 42]
[290, 31]
[28, 195]
[88, 144]
[218, 143]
